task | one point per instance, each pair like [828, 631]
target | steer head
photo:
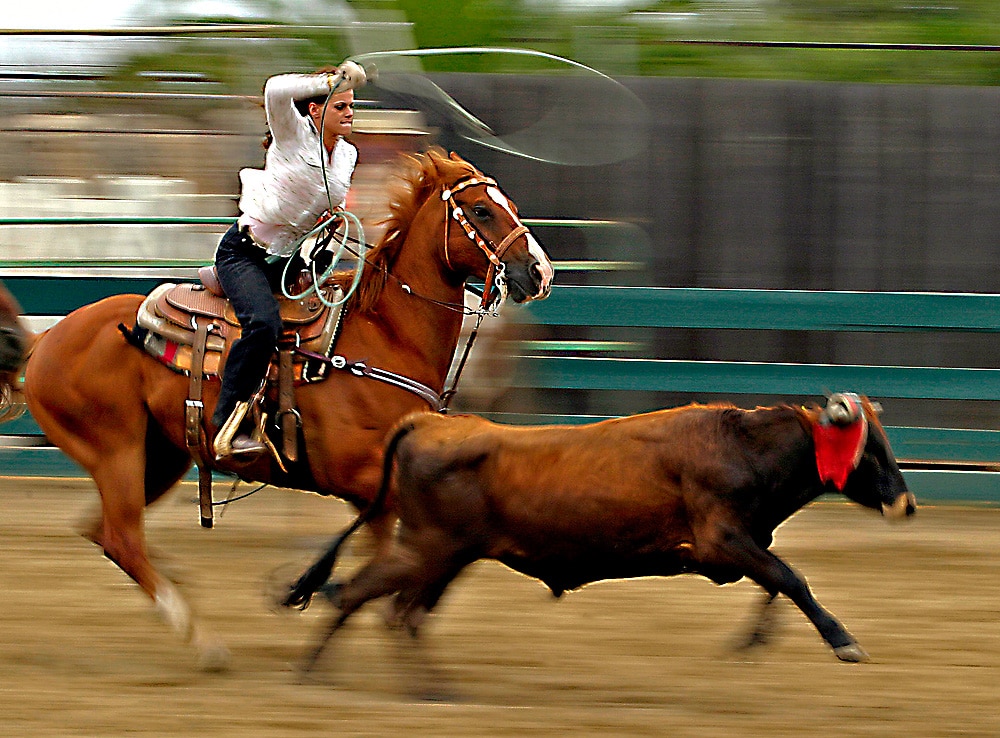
[853, 453]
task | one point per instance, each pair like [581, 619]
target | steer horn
[843, 408]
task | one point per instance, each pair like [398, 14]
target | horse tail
[300, 594]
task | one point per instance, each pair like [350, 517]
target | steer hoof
[851, 653]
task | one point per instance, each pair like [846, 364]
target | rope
[338, 254]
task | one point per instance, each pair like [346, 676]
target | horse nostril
[539, 277]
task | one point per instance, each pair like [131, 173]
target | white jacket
[287, 196]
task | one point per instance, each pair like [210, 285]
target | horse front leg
[122, 537]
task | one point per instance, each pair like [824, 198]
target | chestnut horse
[119, 412]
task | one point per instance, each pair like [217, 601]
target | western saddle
[190, 328]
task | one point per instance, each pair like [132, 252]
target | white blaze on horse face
[545, 269]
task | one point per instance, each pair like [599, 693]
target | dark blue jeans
[249, 282]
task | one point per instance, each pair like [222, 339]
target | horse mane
[417, 178]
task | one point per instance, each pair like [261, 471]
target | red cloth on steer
[838, 449]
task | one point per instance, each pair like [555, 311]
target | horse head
[484, 236]
[13, 338]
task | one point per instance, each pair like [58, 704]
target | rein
[494, 253]
[360, 254]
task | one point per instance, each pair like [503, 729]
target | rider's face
[339, 117]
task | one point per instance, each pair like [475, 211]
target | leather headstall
[494, 252]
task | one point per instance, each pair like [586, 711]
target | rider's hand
[349, 76]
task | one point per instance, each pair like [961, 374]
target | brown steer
[698, 489]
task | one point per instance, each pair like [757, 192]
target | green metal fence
[941, 463]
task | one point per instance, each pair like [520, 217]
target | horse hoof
[851, 653]
[214, 659]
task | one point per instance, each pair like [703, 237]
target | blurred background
[823, 146]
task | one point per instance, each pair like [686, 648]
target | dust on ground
[83, 654]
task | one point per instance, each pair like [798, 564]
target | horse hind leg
[165, 466]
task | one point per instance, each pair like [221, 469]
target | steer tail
[16, 342]
[300, 594]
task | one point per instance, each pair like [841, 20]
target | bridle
[494, 252]
[494, 280]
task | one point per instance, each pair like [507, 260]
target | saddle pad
[179, 357]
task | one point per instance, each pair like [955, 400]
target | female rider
[280, 204]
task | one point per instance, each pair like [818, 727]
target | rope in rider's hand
[327, 224]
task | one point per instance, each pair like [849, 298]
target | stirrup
[223, 445]
[246, 445]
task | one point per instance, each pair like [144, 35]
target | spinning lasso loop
[455, 50]
[561, 130]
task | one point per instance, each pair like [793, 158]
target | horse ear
[436, 158]
[456, 157]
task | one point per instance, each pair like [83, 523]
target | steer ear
[843, 408]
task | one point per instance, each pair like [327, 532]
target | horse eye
[481, 211]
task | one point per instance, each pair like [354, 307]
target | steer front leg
[777, 577]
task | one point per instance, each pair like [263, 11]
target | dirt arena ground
[82, 653]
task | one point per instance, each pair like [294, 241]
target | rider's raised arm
[280, 94]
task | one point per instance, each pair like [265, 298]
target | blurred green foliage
[639, 38]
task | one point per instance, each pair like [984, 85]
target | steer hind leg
[775, 576]
[764, 625]
[410, 607]
[385, 574]
[426, 681]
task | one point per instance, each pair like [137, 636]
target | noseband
[494, 252]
